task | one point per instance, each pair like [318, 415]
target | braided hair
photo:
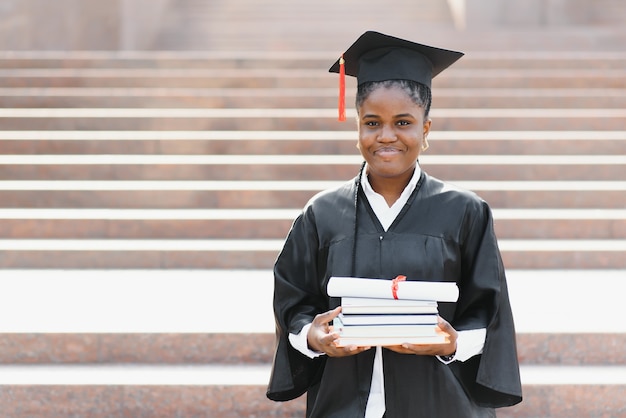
[419, 93]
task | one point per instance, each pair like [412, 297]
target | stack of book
[378, 312]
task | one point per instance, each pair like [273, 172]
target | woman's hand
[321, 337]
[446, 349]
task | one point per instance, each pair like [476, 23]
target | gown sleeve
[297, 299]
[492, 378]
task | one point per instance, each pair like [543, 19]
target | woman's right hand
[321, 336]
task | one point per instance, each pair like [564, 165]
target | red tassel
[342, 90]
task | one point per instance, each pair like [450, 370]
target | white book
[356, 301]
[386, 310]
[397, 330]
[387, 306]
[388, 319]
[388, 341]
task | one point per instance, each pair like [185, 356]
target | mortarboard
[379, 57]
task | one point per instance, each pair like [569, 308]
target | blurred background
[323, 25]
[153, 154]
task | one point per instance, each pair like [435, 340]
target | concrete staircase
[141, 191]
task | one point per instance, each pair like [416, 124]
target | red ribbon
[394, 285]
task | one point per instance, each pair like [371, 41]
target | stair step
[563, 348]
[252, 375]
[26, 228]
[283, 59]
[190, 259]
[287, 185]
[135, 375]
[36, 196]
[232, 391]
[304, 113]
[303, 142]
[273, 224]
[143, 401]
[507, 137]
[299, 119]
[185, 254]
[500, 215]
[188, 301]
[298, 77]
[301, 167]
[299, 160]
[179, 199]
[177, 97]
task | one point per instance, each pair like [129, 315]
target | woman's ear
[425, 135]
[427, 124]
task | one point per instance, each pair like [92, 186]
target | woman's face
[392, 132]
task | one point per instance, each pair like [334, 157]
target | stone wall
[178, 24]
[544, 13]
[79, 24]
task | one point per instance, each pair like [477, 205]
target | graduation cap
[379, 57]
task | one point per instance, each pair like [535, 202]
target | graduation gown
[442, 234]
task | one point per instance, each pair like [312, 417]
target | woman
[394, 219]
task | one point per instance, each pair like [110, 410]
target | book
[352, 305]
[397, 330]
[357, 301]
[440, 338]
[387, 319]
[388, 289]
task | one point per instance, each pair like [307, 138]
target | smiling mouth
[387, 151]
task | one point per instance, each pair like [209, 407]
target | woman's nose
[387, 134]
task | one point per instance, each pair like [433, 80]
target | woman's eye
[371, 123]
[404, 122]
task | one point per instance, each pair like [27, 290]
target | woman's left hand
[446, 349]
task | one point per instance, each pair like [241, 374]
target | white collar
[385, 214]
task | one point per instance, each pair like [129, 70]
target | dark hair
[418, 92]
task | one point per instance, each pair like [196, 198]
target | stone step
[161, 97]
[125, 195]
[272, 224]
[544, 143]
[235, 348]
[261, 253]
[300, 119]
[295, 59]
[299, 78]
[189, 301]
[303, 167]
[177, 324]
[143, 391]
[232, 392]
[304, 142]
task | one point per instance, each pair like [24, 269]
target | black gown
[442, 234]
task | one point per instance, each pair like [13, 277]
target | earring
[425, 145]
